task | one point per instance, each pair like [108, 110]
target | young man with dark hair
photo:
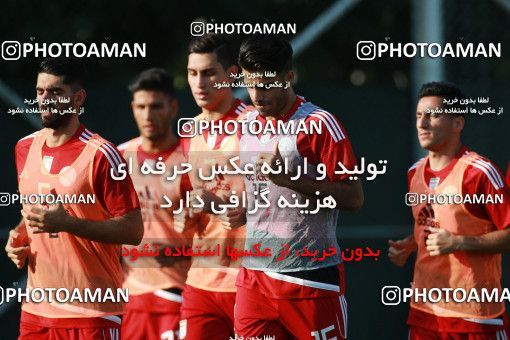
[209, 295]
[291, 296]
[71, 246]
[155, 283]
[458, 244]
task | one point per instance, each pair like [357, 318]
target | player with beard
[71, 246]
[458, 245]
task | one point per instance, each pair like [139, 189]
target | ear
[232, 69]
[459, 123]
[174, 107]
[79, 97]
[289, 76]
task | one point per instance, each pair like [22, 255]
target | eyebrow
[50, 88]
[204, 70]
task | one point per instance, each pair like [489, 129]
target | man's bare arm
[126, 229]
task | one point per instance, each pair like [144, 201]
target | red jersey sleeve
[410, 175]
[486, 179]
[185, 145]
[411, 171]
[117, 197]
[508, 175]
[185, 185]
[329, 147]
[21, 152]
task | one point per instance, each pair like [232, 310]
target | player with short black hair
[289, 296]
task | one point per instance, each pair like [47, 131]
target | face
[435, 131]
[52, 96]
[153, 112]
[203, 72]
[269, 101]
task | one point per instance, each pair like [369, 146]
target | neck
[57, 137]
[440, 159]
[291, 98]
[160, 145]
[220, 110]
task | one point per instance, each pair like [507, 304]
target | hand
[206, 196]
[274, 160]
[51, 220]
[441, 242]
[17, 247]
[234, 218]
[400, 250]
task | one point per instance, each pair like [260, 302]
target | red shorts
[423, 325]
[418, 333]
[317, 310]
[35, 327]
[206, 314]
[152, 316]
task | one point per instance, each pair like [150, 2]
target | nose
[45, 95]
[201, 81]
[258, 95]
[146, 113]
[423, 121]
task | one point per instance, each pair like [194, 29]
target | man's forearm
[21, 229]
[494, 242]
[127, 229]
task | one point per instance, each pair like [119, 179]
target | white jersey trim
[490, 171]
[497, 322]
[336, 137]
[113, 318]
[168, 295]
[32, 135]
[303, 282]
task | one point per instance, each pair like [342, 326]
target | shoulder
[106, 152]
[328, 123]
[24, 143]
[412, 170]
[416, 165]
[129, 145]
[481, 167]
[244, 111]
